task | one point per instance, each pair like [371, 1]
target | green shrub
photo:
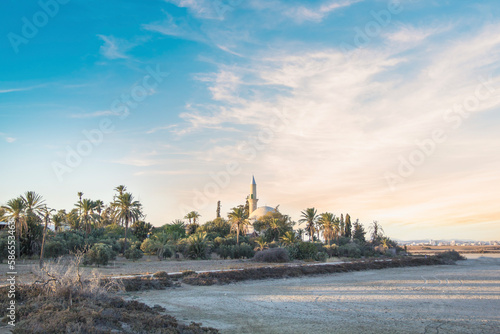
[150, 246]
[165, 252]
[306, 250]
[321, 256]
[136, 244]
[219, 241]
[133, 254]
[114, 231]
[332, 250]
[4, 250]
[224, 251]
[273, 244]
[243, 250]
[350, 250]
[198, 247]
[293, 251]
[55, 248]
[99, 254]
[274, 255]
[75, 240]
[343, 241]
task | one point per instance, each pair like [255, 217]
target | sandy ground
[464, 298]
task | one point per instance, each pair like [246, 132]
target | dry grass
[289, 271]
[61, 302]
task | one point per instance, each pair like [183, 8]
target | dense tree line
[101, 231]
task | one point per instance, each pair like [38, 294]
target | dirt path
[464, 298]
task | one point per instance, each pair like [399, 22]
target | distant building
[255, 213]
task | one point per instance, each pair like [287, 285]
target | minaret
[252, 198]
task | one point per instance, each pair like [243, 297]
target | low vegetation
[450, 256]
[103, 232]
[225, 277]
[276, 255]
[61, 302]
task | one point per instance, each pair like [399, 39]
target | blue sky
[384, 110]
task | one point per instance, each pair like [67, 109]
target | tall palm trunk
[18, 237]
[238, 234]
[43, 243]
[126, 229]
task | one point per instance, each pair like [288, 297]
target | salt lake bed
[461, 298]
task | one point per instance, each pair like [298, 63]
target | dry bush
[450, 256]
[61, 301]
[63, 278]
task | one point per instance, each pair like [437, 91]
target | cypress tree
[348, 226]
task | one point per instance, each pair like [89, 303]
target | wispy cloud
[317, 14]
[412, 34]
[161, 128]
[95, 114]
[205, 9]
[7, 138]
[169, 172]
[349, 114]
[115, 48]
[19, 89]
[176, 27]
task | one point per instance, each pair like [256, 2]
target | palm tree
[261, 242]
[99, 207]
[34, 203]
[87, 215]
[238, 219]
[309, 216]
[46, 216]
[80, 194]
[328, 225]
[192, 215]
[274, 225]
[289, 238]
[121, 189]
[72, 218]
[300, 233]
[192, 226]
[15, 212]
[127, 210]
[59, 219]
[2, 214]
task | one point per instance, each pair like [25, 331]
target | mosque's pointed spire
[253, 180]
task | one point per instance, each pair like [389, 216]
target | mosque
[255, 213]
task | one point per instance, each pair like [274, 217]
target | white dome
[260, 212]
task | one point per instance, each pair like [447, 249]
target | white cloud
[207, 9]
[317, 14]
[19, 89]
[7, 138]
[115, 48]
[350, 119]
[177, 27]
[412, 34]
[100, 113]
[161, 128]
